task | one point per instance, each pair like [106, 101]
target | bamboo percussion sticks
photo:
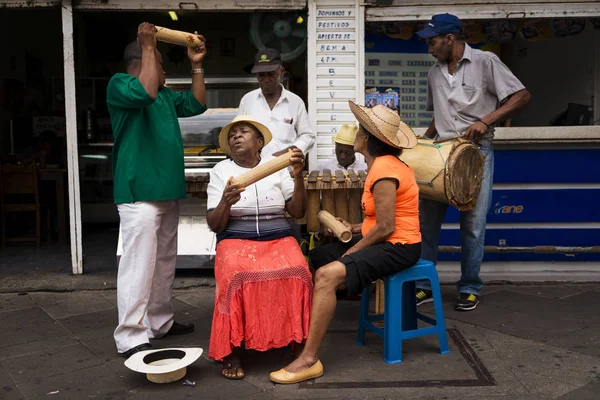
[338, 229]
[177, 37]
[264, 170]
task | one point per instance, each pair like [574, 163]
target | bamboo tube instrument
[177, 37]
[314, 202]
[337, 193]
[339, 230]
[328, 202]
[264, 170]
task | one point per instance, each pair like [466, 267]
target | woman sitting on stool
[390, 240]
[264, 286]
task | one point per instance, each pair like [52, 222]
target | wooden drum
[450, 171]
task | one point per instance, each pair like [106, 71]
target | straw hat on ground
[346, 134]
[385, 124]
[163, 365]
[224, 143]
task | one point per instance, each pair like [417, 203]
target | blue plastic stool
[400, 312]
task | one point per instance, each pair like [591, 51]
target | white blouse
[259, 214]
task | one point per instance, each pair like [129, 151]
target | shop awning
[175, 5]
[466, 10]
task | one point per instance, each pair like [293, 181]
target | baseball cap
[441, 24]
[266, 60]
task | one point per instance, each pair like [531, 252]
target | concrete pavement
[523, 342]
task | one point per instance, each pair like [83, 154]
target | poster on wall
[372, 97]
[390, 99]
[396, 76]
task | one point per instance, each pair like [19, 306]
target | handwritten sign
[333, 24]
[332, 59]
[340, 117]
[328, 128]
[337, 36]
[336, 94]
[336, 13]
[336, 48]
[336, 83]
[336, 71]
[332, 105]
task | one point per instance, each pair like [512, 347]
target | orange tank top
[407, 199]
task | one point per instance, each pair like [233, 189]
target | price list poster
[396, 76]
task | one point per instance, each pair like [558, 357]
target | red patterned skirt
[263, 295]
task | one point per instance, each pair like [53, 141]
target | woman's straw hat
[224, 143]
[385, 124]
[346, 134]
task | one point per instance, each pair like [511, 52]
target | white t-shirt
[333, 165]
[450, 79]
[288, 120]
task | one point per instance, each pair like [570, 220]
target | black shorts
[367, 265]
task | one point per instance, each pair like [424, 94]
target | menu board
[396, 76]
[405, 75]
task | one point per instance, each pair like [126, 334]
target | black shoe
[466, 302]
[136, 349]
[180, 329]
[424, 296]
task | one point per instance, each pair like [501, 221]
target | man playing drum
[469, 91]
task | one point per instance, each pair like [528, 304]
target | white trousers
[146, 271]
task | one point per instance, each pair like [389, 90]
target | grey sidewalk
[523, 342]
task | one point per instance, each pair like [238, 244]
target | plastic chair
[400, 312]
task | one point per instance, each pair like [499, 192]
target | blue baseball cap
[441, 24]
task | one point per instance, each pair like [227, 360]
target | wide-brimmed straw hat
[224, 143]
[163, 365]
[346, 134]
[385, 124]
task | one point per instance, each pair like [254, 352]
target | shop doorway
[33, 188]
[231, 41]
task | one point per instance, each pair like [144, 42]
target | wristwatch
[198, 71]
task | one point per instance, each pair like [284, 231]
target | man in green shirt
[149, 179]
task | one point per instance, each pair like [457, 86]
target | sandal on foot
[236, 366]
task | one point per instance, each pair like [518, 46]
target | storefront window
[554, 58]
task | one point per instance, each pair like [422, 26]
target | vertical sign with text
[336, 33]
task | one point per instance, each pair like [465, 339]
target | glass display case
[96, 183]
[201, 154]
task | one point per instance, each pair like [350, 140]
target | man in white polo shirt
[282, 110]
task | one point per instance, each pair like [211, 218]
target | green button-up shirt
[148, 151]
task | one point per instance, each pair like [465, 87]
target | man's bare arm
[431, 131]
